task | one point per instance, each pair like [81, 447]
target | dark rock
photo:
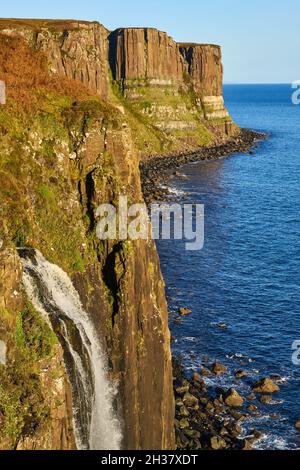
[240, 374]
[246, 445]
[206, 372]
[179, 402]
[218, 443]
[233, 399]
[176, 423]
[218, 368]
[197, 444]
[256, 434]
[203, 401]
[266, 399]
[184, 412]
[252, 408]
[182, 390]
[251, 397]
[223, 432]
[210, 407]
[266, 386]
[190, 400]
[236, 415]
[197, 377]
[184, 423]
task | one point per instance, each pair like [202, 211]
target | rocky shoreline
[208, 419]
[157, 171]
[213, 419]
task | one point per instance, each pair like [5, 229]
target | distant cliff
[84, 105]
[204, 66]
[145, 53]
[151, 55]
[175, 89]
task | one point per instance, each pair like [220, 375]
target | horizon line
[257, 83]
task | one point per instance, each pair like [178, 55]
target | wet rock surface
[265, 386]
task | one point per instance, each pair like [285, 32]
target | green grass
[140, 101]
[22, 407]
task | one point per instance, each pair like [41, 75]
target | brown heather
[25, 73]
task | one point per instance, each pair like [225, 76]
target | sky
[260, 39]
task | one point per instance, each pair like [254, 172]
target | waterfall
[52, 293]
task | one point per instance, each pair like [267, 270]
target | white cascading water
[52, 293]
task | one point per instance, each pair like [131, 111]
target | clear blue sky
[260, 38]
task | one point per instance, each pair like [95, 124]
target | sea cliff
[84, 106]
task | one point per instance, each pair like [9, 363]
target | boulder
[240, 374]
[256, 434]
[183, 423]
[218, 368]
[184, 412]
[233, 399]
[203, 401]
[209, 407]
[252, 409]
[183, 311]
[297, 425]
[192, 433]
[246, 445]
[265, 399]
[251, 397]
[236, 415]
[224, 432]
[206, 372]
[265, 386]
[179, 402]
[176, 424]
[182, 390]
[197, 377]
[190, 401]
[218, 443]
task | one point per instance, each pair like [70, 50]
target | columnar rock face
[145, 53]
[75, 49]
[204, 65]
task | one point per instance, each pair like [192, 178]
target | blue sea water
[247, 275]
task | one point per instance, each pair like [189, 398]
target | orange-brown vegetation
[25, 73]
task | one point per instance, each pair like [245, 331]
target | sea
[243, 287]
